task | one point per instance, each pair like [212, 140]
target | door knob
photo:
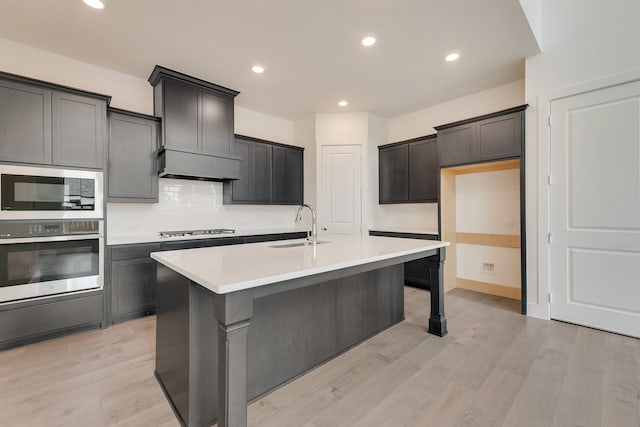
[324, 228]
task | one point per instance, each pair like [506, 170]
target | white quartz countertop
[232, 268]
[155, 237]
[404, 230]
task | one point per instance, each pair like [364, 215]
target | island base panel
[287, 334]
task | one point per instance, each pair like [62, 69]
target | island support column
[233, 313]
[437, 319]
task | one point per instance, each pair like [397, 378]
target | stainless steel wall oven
[51, 232]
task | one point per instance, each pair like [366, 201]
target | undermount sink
[293, 245]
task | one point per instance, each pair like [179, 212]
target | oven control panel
[47, 228]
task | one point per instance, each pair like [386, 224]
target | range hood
[178, 164]
[197, 127]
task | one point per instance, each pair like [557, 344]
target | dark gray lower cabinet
[131, 276]
[132, 164]
[416, 273]
[31, 321]
[133, 288]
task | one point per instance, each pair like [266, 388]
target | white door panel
[341, 207]
[595, 209]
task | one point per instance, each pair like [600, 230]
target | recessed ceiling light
[369, 41]
[452, 57]
[258, 69]
[343, 103]
[96, 4]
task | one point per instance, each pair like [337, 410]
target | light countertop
[155, 237]
[232, 268]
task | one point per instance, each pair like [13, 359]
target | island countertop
[233, 268]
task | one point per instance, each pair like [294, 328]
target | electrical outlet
[488, 267]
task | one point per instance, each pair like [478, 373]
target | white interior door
[595, 209]
[341, 191]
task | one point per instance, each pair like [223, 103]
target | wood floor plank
[495, 368]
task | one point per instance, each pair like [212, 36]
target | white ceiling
[311, 49]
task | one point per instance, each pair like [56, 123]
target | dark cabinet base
[416, 273]
[33, 321]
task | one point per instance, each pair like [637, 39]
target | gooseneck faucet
[314, 229]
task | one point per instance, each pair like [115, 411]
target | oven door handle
[9, 240]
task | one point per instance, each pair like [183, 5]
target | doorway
[594, 217]
[341, 189]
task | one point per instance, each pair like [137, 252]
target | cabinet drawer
[134, 251]
[202, 243]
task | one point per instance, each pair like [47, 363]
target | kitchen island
[236, 322]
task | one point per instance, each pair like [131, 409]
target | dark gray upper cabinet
[287, 180]
[261, 172]
[456, 145]
[499, 137]
[423, 170]
[181, 116]
[197, 116]
[25, 123]
[394, 173]
[490, 137]
[44, 123]
[217, 122]
[133, 143]
[78, 130]
[271, 173]
[408, 171]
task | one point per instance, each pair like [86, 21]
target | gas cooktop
[208, 232]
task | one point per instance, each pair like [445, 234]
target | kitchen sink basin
[293, 245]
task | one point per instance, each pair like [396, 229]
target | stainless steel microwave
[49, 193]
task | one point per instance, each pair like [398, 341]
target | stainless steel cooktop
[183, 233]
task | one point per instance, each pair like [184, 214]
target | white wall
[422, 122]
[584, 40]
[350, 129]
[488, 203]
[304, 131]
[128, 92]
[183, 204]
[253, 123]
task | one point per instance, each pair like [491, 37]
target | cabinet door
[78, 125]
[132, 175]
[423, 171]
[416, 273]
[394, 174]
[133, 286]
[25, 123]
[287, 178]
[499, 137]
[181, 117]
[241, 189]
[456, 145]
[261, 168]
[216, 123]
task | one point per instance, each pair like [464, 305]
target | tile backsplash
[185, 204]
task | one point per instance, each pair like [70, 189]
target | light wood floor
[495, 368]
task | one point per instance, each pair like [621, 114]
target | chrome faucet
[314, 229]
